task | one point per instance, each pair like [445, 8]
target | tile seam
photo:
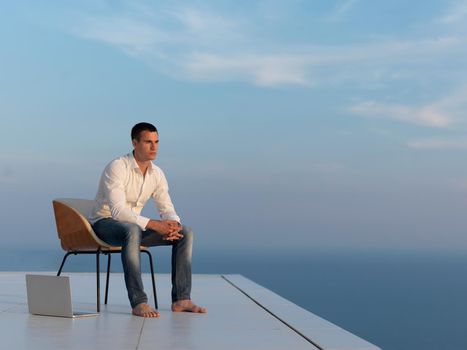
[273, 314]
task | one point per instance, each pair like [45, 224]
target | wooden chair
[77, 237]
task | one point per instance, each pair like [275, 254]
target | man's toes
[188, 307]
[144, 310]
[200, 310]
[153, 314]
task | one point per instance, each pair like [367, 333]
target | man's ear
[133, 142]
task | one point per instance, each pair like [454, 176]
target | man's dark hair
[139, 128]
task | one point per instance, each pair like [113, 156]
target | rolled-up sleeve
[114, 178]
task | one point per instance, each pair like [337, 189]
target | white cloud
[263, 70]
[201, 44]
[428, 115]
[441, 113]
[197, 21]
[130, 35]
[341, 9]
[456, 13]
[205, 47]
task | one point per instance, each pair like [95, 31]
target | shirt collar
[134, 165]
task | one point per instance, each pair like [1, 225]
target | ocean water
[394, 300]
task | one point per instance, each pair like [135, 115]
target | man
[125, 186]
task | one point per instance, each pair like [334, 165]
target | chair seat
[105, 249]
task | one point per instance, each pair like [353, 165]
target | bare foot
[144, 310]
[187, 306]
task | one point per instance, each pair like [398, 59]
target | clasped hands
[168, 229]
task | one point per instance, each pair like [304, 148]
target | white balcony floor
[242, 315]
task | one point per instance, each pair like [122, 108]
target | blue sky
[308, 125]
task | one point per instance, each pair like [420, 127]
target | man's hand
[168, 229]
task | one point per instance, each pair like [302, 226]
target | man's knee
[187, 233]
[133, 232]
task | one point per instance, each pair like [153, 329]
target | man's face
[146, 147]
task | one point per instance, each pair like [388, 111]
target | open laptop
[51, 296]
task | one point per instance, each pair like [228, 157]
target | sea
[396, 300]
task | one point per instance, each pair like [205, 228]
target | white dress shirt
[123, 191]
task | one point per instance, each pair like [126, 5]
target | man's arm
[114, 177]
[163, 201]
[170, 223]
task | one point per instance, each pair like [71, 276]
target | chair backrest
[83, 206]
[73, 228]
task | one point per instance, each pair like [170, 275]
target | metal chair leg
[98, 282]
[63, 263]
[98, 252]
[109, 255]
[152, 277]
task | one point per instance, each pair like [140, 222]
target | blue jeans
[130, 237]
